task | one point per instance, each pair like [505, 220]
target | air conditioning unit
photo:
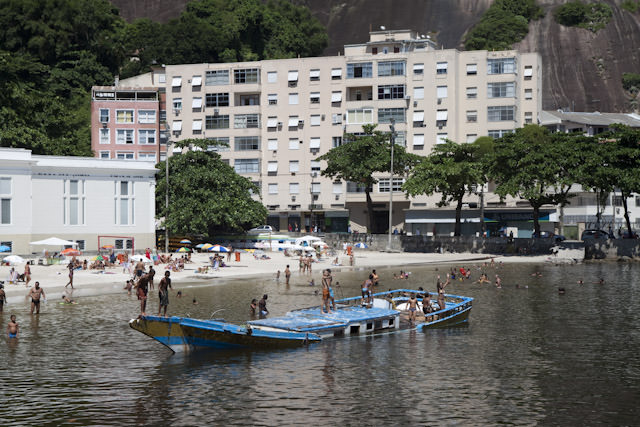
[216, 111]
[314, 174]
[176, 112]
[300, 122]
[293, 198]
[337, 197]
[415, 103]
[279, 124]
[322, 117]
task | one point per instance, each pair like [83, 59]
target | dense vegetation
[53, 51]
[503, 24]
[591, 16]
[631, 5]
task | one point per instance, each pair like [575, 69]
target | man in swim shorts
[35, 293]
[366, 290]
[142, 289]
[163, 292]
[413, 306]
[12, 328]
[326, 291]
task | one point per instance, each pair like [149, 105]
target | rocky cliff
[582, 70]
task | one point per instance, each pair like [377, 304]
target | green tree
[361, 156]
[206, 195]
[595, 172]
[453, 170]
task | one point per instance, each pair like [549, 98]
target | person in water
[12, 328]
[142, 291]
[413, 306]
[163, 292]
[262, 305]
[67, 300]
[36, 293]
[440, 289]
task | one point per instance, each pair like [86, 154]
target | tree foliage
[362, 156]
[591, 16]
[206, 195]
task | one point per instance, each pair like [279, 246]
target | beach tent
[306, 240]
[54, 241]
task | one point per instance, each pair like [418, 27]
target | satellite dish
[382, 27]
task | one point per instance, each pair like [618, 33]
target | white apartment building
[278, 116]
[76, 199]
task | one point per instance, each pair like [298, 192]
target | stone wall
[617, 249]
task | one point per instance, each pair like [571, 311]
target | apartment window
[314, 144]
[391, 92]
[360, 116]
[418, 118]
[315, 120]
[272, 122]
[219, 144]
[250, 99]
[501, 113]
[6, 195]
[124, 136]
[272, 99]
[441, 92]
[294, 166]
[292, 78]
[391, 68]
[418, 69]
[499, 133]
[442, 68]
[336, 73]
[314, 75]
[315, 166]
[528, 117]
[336, 141]
[337, 187]
[124, 155]
[272, 144]
[383, 185]
[293, 122]
[104, 115]
[528, 94]
[472, 116]
[471, 138]
[472, 92]
[177, 104]
[217, 100]
[105, 154]
[272, 167]
[73, 202]
[247, 165]
[196, 83]
[418, 140]
[316, 187]
[528, 72]
[386, 114]
[246, 75]
[124, 203]
[217, 122]
[359, 70]
[146, 136]
[336, 97]
[293, 99]
[216, 78]
[314, 98]
[294, 188]
[441, 138]
[105, 136]
[441, 117]
[355, 187]
[247, 143]
[146, 116]
[124, 116]
[418, 93]
[246, 121]
[501, 66]
[294, 144]
[336, 118]
[273, 188]
[272, 77]
[501, 90]
[472, 69]
[176, 82]
[148, 157]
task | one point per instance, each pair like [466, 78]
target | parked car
[550, 235]
[261, 229]
[594, 234]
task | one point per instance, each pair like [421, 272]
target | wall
[618, 249]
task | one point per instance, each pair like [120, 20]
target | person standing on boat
[413, 306]
[426, 307]
[163, 292]
[262, 306]
[440, 288]
[366, 290]
[326, 291]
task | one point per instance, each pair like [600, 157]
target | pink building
[126, 122]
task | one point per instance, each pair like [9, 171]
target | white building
[75, 198]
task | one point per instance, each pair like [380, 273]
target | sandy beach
[112, 280]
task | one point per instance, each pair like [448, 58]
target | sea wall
[617, 250]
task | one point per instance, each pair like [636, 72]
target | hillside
[582, 70]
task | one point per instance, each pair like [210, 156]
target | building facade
[277, 116]
[75, 198]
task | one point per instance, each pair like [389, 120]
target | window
[216, 77]
[217, 100]
[418, 69]
[148, 157]
[391, 92]
[472, 92]
[472, 116]
[383, 185]
[336, 141]
[294, 166]
[104, 115]
[418, 118]
[105, 136]
[217, 122]
[500, 113]
[272, 122]
[272, 144]
[314, 75]
[124, 116]
[355, 187]
[293, 99]
[294, 188]
[359, 70]
[336, 118]
[441, 117]
[528, 72]
[292, 78]
[472, 69]
[105, 154]
[501, 66]
[219, 144]
[246, 75]
[442, 68]
[441, 92]
[386, 114]
[501, 90]
[177, 104]
[418, 93]
[272, 77]
[294, 144]
[498, 133]
[124, 203]
[528, 94]
[247, 165]
[146, 136]
[196, 82]
[336, 73]
[442, 138]
[315, 120]
[360, 116]
[391, 68]
[336, 96]
[247, 143]
[250, 99]
[124, 155]
[273, 188]
[246, 121]
[124, 136]
[176, 82]
[418, 140]
[471, 138]
[80, 245]
[528, 117]
[337, 187]
[314, 98]
[146, 116]
[315, 188]
[6, 194]
[314, 144]
[272, 99]
[272, 166]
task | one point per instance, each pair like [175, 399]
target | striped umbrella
[183, 249]
[185, 241]
[206, 246]
[218, 248]
[200, 245]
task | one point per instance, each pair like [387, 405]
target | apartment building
[278, 116]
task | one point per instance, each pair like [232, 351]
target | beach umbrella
[107, 247]
[70, 252]
[185, 241]
[206, 246]
[218, 248]
[137, 258]
[200, 245]
[361, 245]
[183, 249]
[4, 248]
[98, 258]
[13, 259]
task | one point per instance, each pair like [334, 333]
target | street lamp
[166, 193]
[392, 143]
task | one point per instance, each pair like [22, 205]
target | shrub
[631, 82]
[591, 16]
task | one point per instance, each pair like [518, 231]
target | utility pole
[392, 143]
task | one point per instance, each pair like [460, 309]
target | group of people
[143, 281]
[14, 277]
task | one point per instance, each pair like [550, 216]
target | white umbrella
[137, 258]
[13, 259]
[361, 245]
[54, 241]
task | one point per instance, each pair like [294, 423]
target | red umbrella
[71, 252]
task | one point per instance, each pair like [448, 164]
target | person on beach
[163, 292]
[27, 275]
[152, 274]
[139, 269]
[278, 275]
[36, 293]
[326, 291]
[440, 289]
[70, 282]
[3, 297]
[142, 289]
[262, 305]
[287, 274]
[12, 328]
[128, 286]
[302, 265]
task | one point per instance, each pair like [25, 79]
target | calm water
[528, 356]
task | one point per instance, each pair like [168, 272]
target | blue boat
[385, 312]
